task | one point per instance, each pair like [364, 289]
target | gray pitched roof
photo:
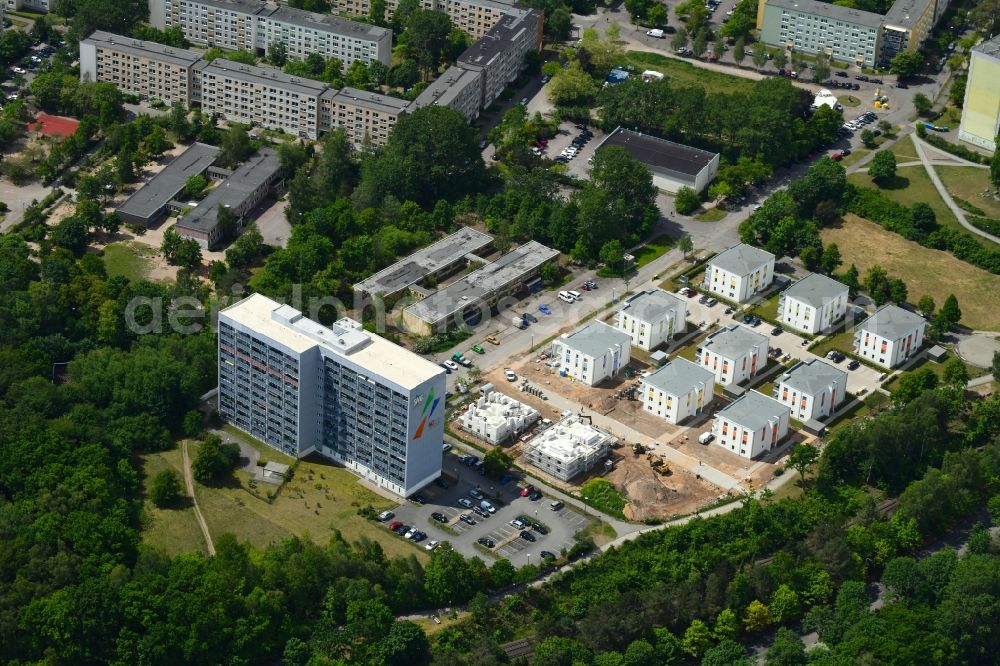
[741, 259]
[813, 377]
[753, 410]
[679, 376]
[892, 322]
[595, 339]
[652, 305]
[816, 290]
[734, 341]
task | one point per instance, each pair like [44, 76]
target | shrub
[686, 201]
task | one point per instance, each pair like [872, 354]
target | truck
[655, 32]
[461, 360]
[518, 322]
[705, 438]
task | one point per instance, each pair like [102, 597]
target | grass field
[842, 341]
[912, 184]
[654, 249]
[173, 530]
[710, 215]
[319, 499]
[685, 74]
[127, 259]
[856, 156]
[904, 150]
[925, 271]
[973, 185]
[937, 369]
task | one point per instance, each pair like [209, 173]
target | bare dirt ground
[653, 495]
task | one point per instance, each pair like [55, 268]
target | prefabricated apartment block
[352, 396]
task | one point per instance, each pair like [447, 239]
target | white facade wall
[649, 334]
[811, 405]
[592, 369]
[810, 319]
[888, 352]
[498, 418]
[749, 442]
[737, 369]
[675, 407]
[735, 287]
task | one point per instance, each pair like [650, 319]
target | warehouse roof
[483, 283]
[424, 262]
[244, 182]
[813, 376]
[596, 338]
[741, 259]
[660, 153]
[679, 376]
[150, 199]
[753, 410]
[816, 290]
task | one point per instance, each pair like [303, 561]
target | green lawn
[768, 309]
[912, 184]
[602, 494]
[936, 368]
[684, 73]
[319, 499]
[855, 157]
[654, 249]
[842, 342]
[972, 185]
[710, 215]
[128, 259]
[172, 530]
[849, 101]
[904, 150]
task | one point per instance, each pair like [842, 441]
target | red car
[394, 525]
[584, 287]
[837, 156]
[527, 490]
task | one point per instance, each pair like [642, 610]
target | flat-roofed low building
[739, 273]
[261, 96]
[593, 352]
[890, 336]
[813, 304]
[147, 69]
[476, 294]
[330, 36]
[498, 418]
[568, 448]
[750, 425]
[734, 354]
[457, 89]
[364, 116]
[678, 390]
[149, 204]
[241, 192]
[437, 260]
[673, 165]
[652, 318]
[811, 389]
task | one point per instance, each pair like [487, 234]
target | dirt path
[189, 483]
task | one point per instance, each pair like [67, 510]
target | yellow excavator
[658, 464]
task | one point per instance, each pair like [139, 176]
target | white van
[486, 506]
[655, 32]
[705, 438]
[575, 295]
[565, 297]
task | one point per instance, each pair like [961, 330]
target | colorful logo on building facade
[430, 406]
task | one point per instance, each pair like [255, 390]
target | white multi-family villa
[890, 336]
[652, 318]
[751, 424]
[593, 353]
[813, 304]
[739, 272]
[677, 390]
[812, 390]
[734, 354]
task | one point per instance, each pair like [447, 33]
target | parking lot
[576, 166]
[508, 543]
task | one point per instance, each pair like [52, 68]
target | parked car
[465, 502]
[777, 330]
[527, 490]
[509, 374]
[476, 494]
[518, 523]
[440, 517]
[394, 525]
[592, 284]
[854, 365]
[386, 515]
[446, 368]
[485, 542]
[467, 519]
[538, 527]
[535, 496]
[479, 511]
[528, 536]
[556, 506]
[431, 545]
[546, 555]
[544, 309]
[451, 365]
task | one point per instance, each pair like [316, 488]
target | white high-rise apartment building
[340, 391]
